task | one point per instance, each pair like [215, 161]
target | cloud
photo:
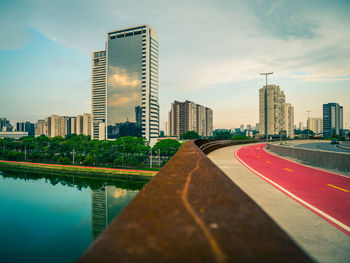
[119, 77]
[119, 100]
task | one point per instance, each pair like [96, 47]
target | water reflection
[106, 204]
[54, 218]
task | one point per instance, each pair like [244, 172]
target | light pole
[308, 124]
[266, 132]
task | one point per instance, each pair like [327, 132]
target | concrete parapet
[324, 159]
[344, 145]
[192, 212]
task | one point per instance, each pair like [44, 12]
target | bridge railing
[192, 212]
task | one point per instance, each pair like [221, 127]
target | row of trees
[222, 135]
[80, 149]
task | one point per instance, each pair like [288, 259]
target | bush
[34, 156]
[189, 135]
[65, 160]
[55, 158]
[15, 156]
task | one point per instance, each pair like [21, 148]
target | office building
[125, 84]
[332, 119]
[26, 127]
[189, 116]
[315, 125]
[289, 120]
[98, 94]
[273, 115]
[5, 125]
[12, 134]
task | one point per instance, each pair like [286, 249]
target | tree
[166, 147]
[190, 135]
[239, 137]
[223, 135]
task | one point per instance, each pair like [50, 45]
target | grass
[71, 169]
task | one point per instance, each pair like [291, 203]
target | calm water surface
[55, 218]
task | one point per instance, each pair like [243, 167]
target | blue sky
[211, 52]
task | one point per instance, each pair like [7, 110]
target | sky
[210, 52]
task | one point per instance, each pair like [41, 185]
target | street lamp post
[266, 132]
[308, 124]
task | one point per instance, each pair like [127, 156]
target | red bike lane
[325, 193]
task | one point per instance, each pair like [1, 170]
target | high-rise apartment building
[87, 124]
[98, 94]
[332, 119]
[315, 125]
[56, 125]
[189, 116]
[79, 124]
[275, 110]
[126, 75]
[289, 120]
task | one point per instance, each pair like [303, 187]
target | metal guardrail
[192, 212]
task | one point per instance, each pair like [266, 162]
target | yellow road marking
[339, 188]
[268, 161]
[289, 170]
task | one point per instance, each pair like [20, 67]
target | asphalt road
[324, 193]
[325, 146]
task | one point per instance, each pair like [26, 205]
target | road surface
[325, 146]
[324, 193]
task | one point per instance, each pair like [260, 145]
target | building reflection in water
[106, 204]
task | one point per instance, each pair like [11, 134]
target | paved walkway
[323, 241]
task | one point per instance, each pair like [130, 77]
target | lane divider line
[306, 204]
[268, 161]
[341, 189]
[303, 165]
[289, 170]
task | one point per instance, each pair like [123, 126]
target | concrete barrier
[344, 145]
[192, 212]
[325, 159]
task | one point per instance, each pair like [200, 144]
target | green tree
[239, 137]
[190, 135]
[223, 135]
[167, 147]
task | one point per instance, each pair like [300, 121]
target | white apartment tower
[289, 120]
[125, 85]
[275, 110]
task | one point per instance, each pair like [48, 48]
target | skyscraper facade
[289, 120]
[332, 119]
[130, 107]
[275, 110]
[315, 125]
[98, 94]
[189, 116]
[26, 127]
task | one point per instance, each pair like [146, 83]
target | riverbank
[75, 170]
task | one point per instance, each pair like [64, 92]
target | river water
[46, 218]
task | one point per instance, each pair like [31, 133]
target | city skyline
[48, 68]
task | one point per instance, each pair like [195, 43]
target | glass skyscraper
[332, 119]
[131, 85]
